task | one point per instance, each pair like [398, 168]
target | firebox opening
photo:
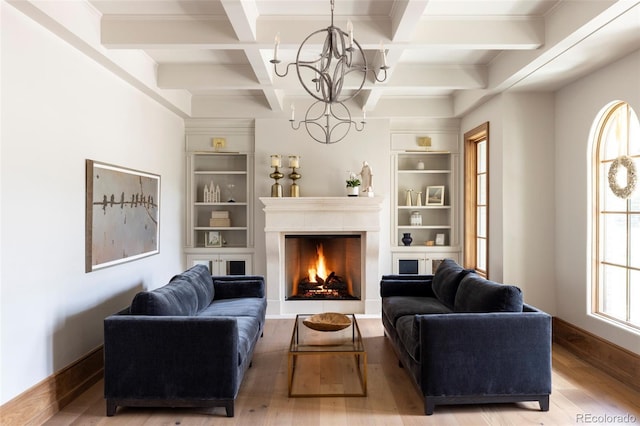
[323, 267]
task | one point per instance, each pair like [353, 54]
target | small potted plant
[353, 185]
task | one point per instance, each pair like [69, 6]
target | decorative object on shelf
[328, 120]
[122, 215]
[419, 198]
[435, 195]
[213, 239]
[328, 321]
[406, 238]
[425, 142]
[626, 191]
[429, 243]
[211, 193]
[294, 162]
[220, 218]
[407, 200]
[416, 219]
[439, 239]
[353, 185]
[276, 188]
[420, 165]
[230, 198]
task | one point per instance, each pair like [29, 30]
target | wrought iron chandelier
[324, 75]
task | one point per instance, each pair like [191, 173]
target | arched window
[616, 274]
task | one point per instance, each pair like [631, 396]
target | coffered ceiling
[445, 56]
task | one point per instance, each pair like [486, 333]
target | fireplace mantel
[318, 215]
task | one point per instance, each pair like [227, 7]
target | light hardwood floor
[581, 395]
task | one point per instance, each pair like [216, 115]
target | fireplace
[323, 267]
[355, 219]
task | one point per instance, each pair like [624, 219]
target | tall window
[616, 275]
[476, 203]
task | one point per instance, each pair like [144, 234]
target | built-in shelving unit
[220, 211]
[425, 204]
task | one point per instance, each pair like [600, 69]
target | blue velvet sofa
[186, 344]
[467, 340]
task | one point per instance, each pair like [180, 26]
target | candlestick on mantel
[276, 188]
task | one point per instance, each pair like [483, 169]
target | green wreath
[626, 162]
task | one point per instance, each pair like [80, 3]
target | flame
[319, 268]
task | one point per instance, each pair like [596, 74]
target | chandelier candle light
[276, 188]
[328, 120]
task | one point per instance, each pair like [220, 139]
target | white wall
[58, 109]
[577, 106]
[521, 192]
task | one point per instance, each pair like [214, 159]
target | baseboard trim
[612, 359]
[37, 404]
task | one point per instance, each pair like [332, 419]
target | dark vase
[406, 239]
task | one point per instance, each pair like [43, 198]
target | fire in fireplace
[323, 267]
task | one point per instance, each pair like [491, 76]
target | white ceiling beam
[405, 17]
[118, 32]
[243, 16]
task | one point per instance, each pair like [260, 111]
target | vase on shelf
[406, 238]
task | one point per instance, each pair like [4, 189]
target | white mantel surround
[322, 215]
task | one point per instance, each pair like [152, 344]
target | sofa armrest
[485, 353]
[238, 286]
[149, 357]
[406, 285]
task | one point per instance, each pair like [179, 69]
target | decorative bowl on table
[328, 321]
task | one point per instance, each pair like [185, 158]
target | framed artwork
[122, 215]
[213, 239]
[439, 239]
[435, 195]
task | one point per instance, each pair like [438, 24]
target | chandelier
[341, 63]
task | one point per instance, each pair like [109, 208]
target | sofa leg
[429, 406]
[229, 408]
[544, 403]
[111, 408]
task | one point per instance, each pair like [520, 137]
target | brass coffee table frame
[305, 341]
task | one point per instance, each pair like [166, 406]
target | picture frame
[435, 195]
[213, 239]
[439, 239]
[122, 215]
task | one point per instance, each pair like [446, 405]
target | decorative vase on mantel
[406, 238]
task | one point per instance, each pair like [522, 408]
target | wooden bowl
[328, 321]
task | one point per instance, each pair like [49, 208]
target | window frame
[471, 140]
[600, 212]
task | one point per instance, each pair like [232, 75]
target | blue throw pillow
[446, 281]
[477, 294]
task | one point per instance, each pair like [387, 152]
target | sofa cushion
[200, 277]
[408, 329]
[446, 281]
[399, 306]
[477, 294]
[248, 331]
[248, 306]
[230, 289]
[420, 287]
[178, 298]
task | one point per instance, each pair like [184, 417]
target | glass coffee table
[330, 348]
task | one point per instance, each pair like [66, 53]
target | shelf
[423, 207]
[224, 203]
[424, 227]
[220, 228]
[422, 172]
[221, 172]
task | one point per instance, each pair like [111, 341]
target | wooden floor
[581, 395]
